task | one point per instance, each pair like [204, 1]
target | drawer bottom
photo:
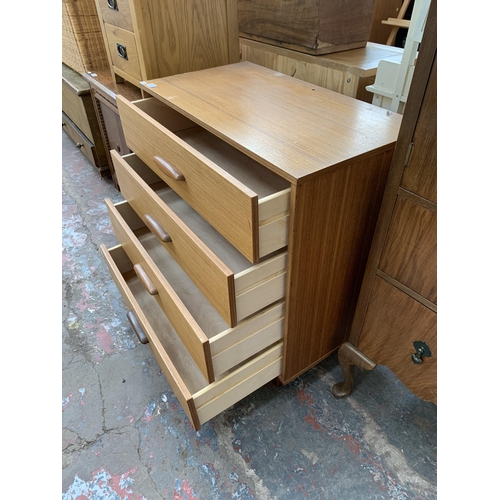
[200, 400]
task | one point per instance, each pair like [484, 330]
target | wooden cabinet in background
[147, 39]
[103, 90]
[395, 323]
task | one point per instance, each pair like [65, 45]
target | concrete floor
[124, 435]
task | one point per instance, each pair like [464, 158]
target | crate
[82, 41]
[310, 26]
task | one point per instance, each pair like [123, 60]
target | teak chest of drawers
[251, 201]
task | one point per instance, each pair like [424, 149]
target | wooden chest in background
[312, 26]
[79, 119]
[82, 41]
[148, 39]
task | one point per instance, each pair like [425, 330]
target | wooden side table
[347, 72]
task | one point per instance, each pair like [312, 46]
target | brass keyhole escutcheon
[422, 350]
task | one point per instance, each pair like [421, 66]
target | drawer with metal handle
[122, 48]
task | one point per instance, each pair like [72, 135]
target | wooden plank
[254, 343]
[223, 201]
[395, 319]
[273, 205]
[273, 235]
[211, 275]
[252, 276]
[228, 338]
[327, 251]
[258, 297]
[218, 396]
[399, 23]
[189, 331]
[291, 124]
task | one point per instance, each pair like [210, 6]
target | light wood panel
[410, 250]
[121, 16]
[327, 253]
[130, 65]
[388, 337]
[347, 72]
[291, 125]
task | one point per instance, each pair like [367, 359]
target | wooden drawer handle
[136, 326]
[168, 169]
[156, 228]
[146, 282]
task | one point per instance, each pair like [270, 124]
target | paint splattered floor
[125, 436]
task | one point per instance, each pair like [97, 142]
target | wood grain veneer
[291, 124]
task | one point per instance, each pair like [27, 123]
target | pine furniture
[148, 39]
[251, 201]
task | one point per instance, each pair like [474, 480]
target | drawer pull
[113, 4]
[422, 349]
[168, 169]
[156, 228]
[122, 51]
[136, 326]
[144, 278]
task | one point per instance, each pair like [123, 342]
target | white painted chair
[393, 79]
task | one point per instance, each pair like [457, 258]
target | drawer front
[156, 284]
[211, 276]
[123, 50]
[392, 323]
[228, 205]
[234, 296]
[117, 13]
[214, 347]
[82, 143]
[201, 401]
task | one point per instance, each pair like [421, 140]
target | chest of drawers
[251, 201]
[148, 39]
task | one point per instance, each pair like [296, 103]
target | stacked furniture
[79, 119]
[251, 201]
[311, 26]
[348, 72]
[396, 317]
[103, 90]
[82, 41]
[148, 39]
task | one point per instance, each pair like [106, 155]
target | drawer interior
[200, 399]
[243, 168]
[228, 346]
[255, 285]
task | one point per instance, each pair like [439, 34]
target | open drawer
[233, 285]
[213, 345]
[247, 203]
[201, 400]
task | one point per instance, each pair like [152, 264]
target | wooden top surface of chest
[294, 128]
